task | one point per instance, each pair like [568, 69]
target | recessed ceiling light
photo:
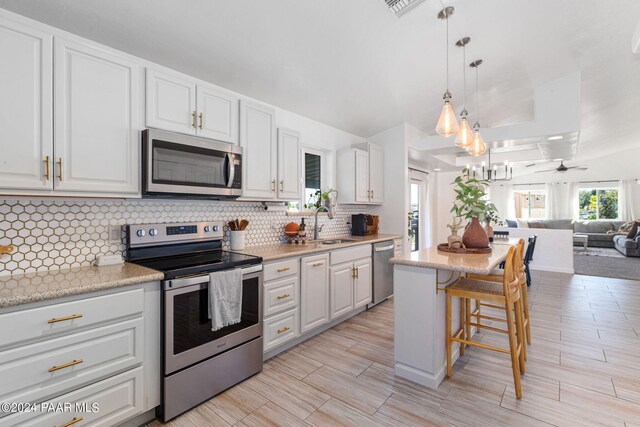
[437, 169]
[555, 138]
[558, 160]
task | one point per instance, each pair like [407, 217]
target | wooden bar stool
[497, 277]
[505, 294]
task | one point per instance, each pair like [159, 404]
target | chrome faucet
[315, 226]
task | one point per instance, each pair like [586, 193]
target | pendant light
[447, 123]
[464, 137]
[478, 147]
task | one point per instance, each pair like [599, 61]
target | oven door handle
[231, 170]
[190, 281]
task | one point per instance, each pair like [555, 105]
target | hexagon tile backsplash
[55, 234]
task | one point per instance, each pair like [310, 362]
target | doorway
[417, 209]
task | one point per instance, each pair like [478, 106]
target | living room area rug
[605, 262]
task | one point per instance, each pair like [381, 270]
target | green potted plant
[471, 203]
[321, 197]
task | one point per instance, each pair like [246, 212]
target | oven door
[188, 337]
[182, 165]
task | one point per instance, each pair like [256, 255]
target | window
[598, 203]
[313, 163]
[530, 204]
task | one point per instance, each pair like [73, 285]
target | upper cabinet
[181, 104]
[258, 139]
[97, 135]
[289, 164]
[26, 107]
[360, 174]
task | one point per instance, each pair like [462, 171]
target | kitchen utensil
[232, 226]
[243, 224]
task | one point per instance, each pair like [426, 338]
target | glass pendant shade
[478, 147]
[447, 123]
[464, 137]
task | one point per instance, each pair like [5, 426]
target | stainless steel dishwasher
[382, 271]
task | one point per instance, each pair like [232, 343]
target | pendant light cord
[477, 96]
[464, 77]
[447, 50]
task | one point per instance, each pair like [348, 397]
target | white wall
[445, 198]
[393, 213]
[554, 248]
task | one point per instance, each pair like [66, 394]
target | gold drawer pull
[280, 270]
[200, 120]
[46, 167]
[317, 264]
[283, 296]
[59, 162]
[66, 365]
[193, 119]
[62, 319]
[72, 422]
[285, 329]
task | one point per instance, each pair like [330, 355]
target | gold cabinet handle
[282, 185]
[62, 319]
[317, 264]
[59, 162]
[372, 194]
[353, 272]
[66, 365]
[72, 422]
[369, 194]
[273, 185]
[357, 271]
[193, 119]
[46, 167]
[280, 270]
[200, 120]
[283, 296]
[285, 329]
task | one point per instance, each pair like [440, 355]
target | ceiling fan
[562, 168]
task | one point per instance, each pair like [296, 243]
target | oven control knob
[207, 229]
[216, 228]
[153, 232]
[140, 233]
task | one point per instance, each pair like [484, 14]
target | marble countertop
[286, 250]
[44, 285]
[466, 263]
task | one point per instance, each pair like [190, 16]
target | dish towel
[225, 298]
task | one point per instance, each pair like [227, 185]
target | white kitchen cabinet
[171, 102]
[289, 165]
[258, 139]
[26, 107]
[360, 174]
[217, 114]
[314, 292]
[362, 284]
[376, 173]
[341, 289]
[97, 135]
[181, 104]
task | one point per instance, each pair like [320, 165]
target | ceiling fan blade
[582, 168]
[532, 164]
[547, 170]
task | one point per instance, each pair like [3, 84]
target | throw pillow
[522, 224]
[511, 223]
[637, 238]
[633, 231]
[534, 224]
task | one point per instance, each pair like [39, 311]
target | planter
[474, 235]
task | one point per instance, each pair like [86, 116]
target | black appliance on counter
[359, 225]
[198, 363]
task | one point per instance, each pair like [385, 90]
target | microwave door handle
[231, 170]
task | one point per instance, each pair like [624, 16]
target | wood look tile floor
[583, 368]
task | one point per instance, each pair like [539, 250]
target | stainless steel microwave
[175, 165]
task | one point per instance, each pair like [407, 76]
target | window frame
[529, 191]
[324, 155]
[597, 189]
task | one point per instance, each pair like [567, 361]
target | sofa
[627, 247]
[599, 232]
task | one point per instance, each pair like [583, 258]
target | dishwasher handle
[384, 248]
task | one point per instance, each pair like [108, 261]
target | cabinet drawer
[281, 295]
[37, 371]
[280, 328]
[277, 270]
[350, 254]
[42, 322]
[103, 404]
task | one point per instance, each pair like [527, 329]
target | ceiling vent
[400, 7]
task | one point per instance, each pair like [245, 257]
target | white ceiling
[354, 65]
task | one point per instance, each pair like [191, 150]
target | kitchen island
[419, 281]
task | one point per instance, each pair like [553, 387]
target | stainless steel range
[199, 363]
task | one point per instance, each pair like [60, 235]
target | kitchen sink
[335, 241]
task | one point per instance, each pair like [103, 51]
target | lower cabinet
[362, 285]
[314, 292]
[341, 283]
[281, 328]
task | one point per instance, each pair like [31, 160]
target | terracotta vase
[474, 235]
[488, 229]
